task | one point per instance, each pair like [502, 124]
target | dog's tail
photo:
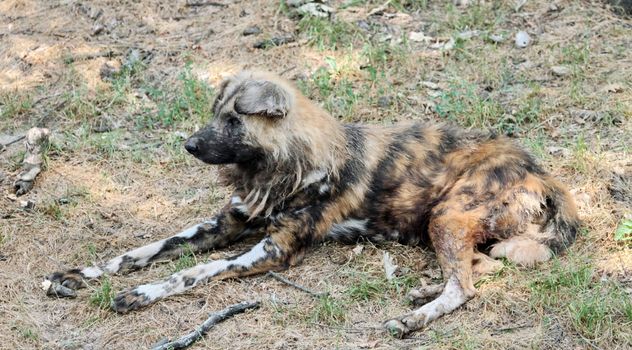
[551, 232]
[563, 223]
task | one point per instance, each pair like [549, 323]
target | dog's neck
[268, 180]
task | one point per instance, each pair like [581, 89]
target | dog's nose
[192, 145]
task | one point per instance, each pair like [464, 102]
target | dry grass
[104, 193]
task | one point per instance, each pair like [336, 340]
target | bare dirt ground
[121, 83]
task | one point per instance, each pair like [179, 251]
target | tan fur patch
[522, 251]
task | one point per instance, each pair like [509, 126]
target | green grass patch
[52, 209]
[102, 297]
[106, 144]
[327, 34]
[366, 287]
[477, 16]
[463, 104]
[624, 231]
[338, 94]
[573, 290]
[329, 311]
[29, 334]
[14, 104]
[191, 101]
[186, 260]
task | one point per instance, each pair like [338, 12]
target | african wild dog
[300, 177]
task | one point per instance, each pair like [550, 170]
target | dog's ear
[258, 97]
[220, 95]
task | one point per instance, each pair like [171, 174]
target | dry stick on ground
[213, 319]
[36, 144]
[288, 282]
[204, 3]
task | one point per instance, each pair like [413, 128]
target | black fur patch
[188, 281]
[356, 144]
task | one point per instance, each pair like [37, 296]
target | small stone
[446, 46]
[430, 85]
[418, 37]
[107, 71]
[181, 134]
[522, 39]
[559, 151]
[612, 88]
[29, 204]
[560, 71]
[103, 123]
[583, 115]
[497, 38]
[95, 13]
[364, 25]
[254, 30]
[553, 7]
[467, 35]
[384, 101]
[295, 3]
[316, 10]
[275, 41]
[97, 29]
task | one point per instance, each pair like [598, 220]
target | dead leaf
[419, 37]
[612, 88]
[389, 266]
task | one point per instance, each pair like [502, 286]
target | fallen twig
[380, 9]
[213, 319]
[299, 287]
[36, 144]
[19, 138]
[276, 41]
[91, 56]
[204, 3]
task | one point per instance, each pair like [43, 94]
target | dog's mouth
[221, 152]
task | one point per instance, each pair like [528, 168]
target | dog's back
[416, 173]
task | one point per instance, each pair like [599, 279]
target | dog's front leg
[228, 226]
[265, 256]
[284, 245]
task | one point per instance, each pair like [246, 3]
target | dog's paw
[425, 294]
[399, 327]
[396, 328]
[129, 300]
[72, 279]
[414, 321]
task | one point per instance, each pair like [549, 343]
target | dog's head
[249, 115]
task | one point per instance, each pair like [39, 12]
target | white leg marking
[451, 298]
[177, 283]
[92, 272]
[237, 203]
[142, 254]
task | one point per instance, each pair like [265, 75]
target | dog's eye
[233, 122]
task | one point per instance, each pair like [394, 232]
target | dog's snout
[192, 145]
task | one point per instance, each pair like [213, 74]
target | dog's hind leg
[482, 265]
[452, 236]
[225, 228]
